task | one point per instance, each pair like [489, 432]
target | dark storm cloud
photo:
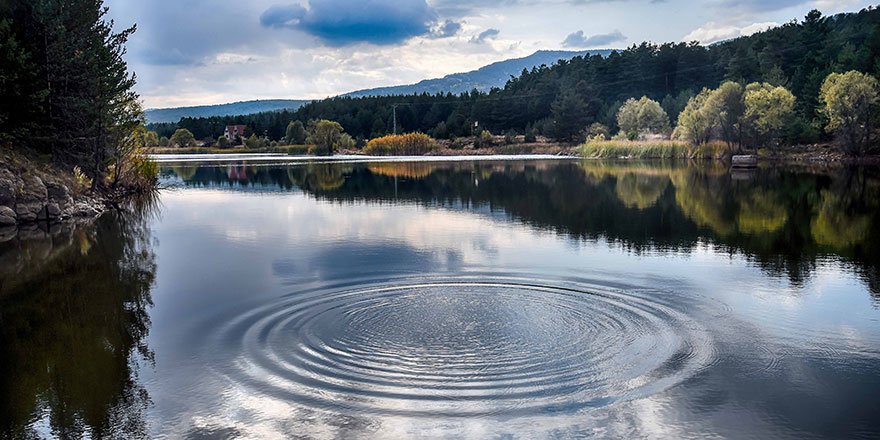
[578, 39]
[344, 22]
[279, 16]
[446, 29]
[485, 35]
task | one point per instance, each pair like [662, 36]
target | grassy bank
[652, 150]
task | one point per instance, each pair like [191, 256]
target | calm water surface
[472, 299]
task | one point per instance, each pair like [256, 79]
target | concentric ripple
[463, 347]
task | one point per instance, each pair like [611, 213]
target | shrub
[183, 138]
[325, 136]
[768, 110]
[319, 150]
[143, 174]
[401, 144]
[223, 142]
[644, 115]
[296, 133]
[441, 131]
[346, 142]
[510, 137]
[295, 150]
[850, 102]
[598, 131]
[254, 142]
[484, 139]
[151, 139]
[83, 182]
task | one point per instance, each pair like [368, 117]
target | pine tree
[83, 109]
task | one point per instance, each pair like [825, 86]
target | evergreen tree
[295, 133]
[76, 98]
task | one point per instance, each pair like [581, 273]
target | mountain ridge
[491, 75]
[174, 114]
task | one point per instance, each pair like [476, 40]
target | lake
[494, 298]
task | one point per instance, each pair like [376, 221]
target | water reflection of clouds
[297, 237]
[298, 219]
[296, 234]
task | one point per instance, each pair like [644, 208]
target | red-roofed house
[234, 131]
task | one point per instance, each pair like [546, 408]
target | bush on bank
[410, 144]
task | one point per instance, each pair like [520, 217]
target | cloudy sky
[193, 52]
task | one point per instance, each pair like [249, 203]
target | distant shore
[825, 154]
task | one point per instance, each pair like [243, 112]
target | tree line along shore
[714, 124]
[751, 82]
[71, 124]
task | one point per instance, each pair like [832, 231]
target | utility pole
[394, 111]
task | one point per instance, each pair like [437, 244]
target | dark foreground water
[494, 299]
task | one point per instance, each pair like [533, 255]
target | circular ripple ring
[466, 347]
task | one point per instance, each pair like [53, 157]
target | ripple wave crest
[466, 346]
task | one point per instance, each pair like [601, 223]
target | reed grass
[665, 149]
[410, 144]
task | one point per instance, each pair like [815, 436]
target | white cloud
[214, 51]
[712, 32]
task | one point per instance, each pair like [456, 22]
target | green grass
[650, 150]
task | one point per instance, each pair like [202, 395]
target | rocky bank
[40, 195]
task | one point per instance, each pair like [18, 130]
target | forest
[66, 92]
[562, 100]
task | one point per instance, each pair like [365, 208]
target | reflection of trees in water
[73, 329]
[318, 176]
[411, 170]
[782, 220]
[185, 172]
[231, 176]
[704, 201]
[640, 192]
[836, 225]
[760, 211]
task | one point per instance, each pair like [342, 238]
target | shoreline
[38, 197]
[820, 154]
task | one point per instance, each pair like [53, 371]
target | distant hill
[483, 79]
[233, 109]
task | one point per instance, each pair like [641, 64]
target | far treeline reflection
[784, 219]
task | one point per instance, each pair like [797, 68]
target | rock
[32, 190]
[7, 216]
[58, 193]
[43, 215]
[53, 211]
[7, 233]
[55, 229]
[742, 174]
[7, 187]
[82, 208]
[28, 212]
[744, 161]
[32, 232]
